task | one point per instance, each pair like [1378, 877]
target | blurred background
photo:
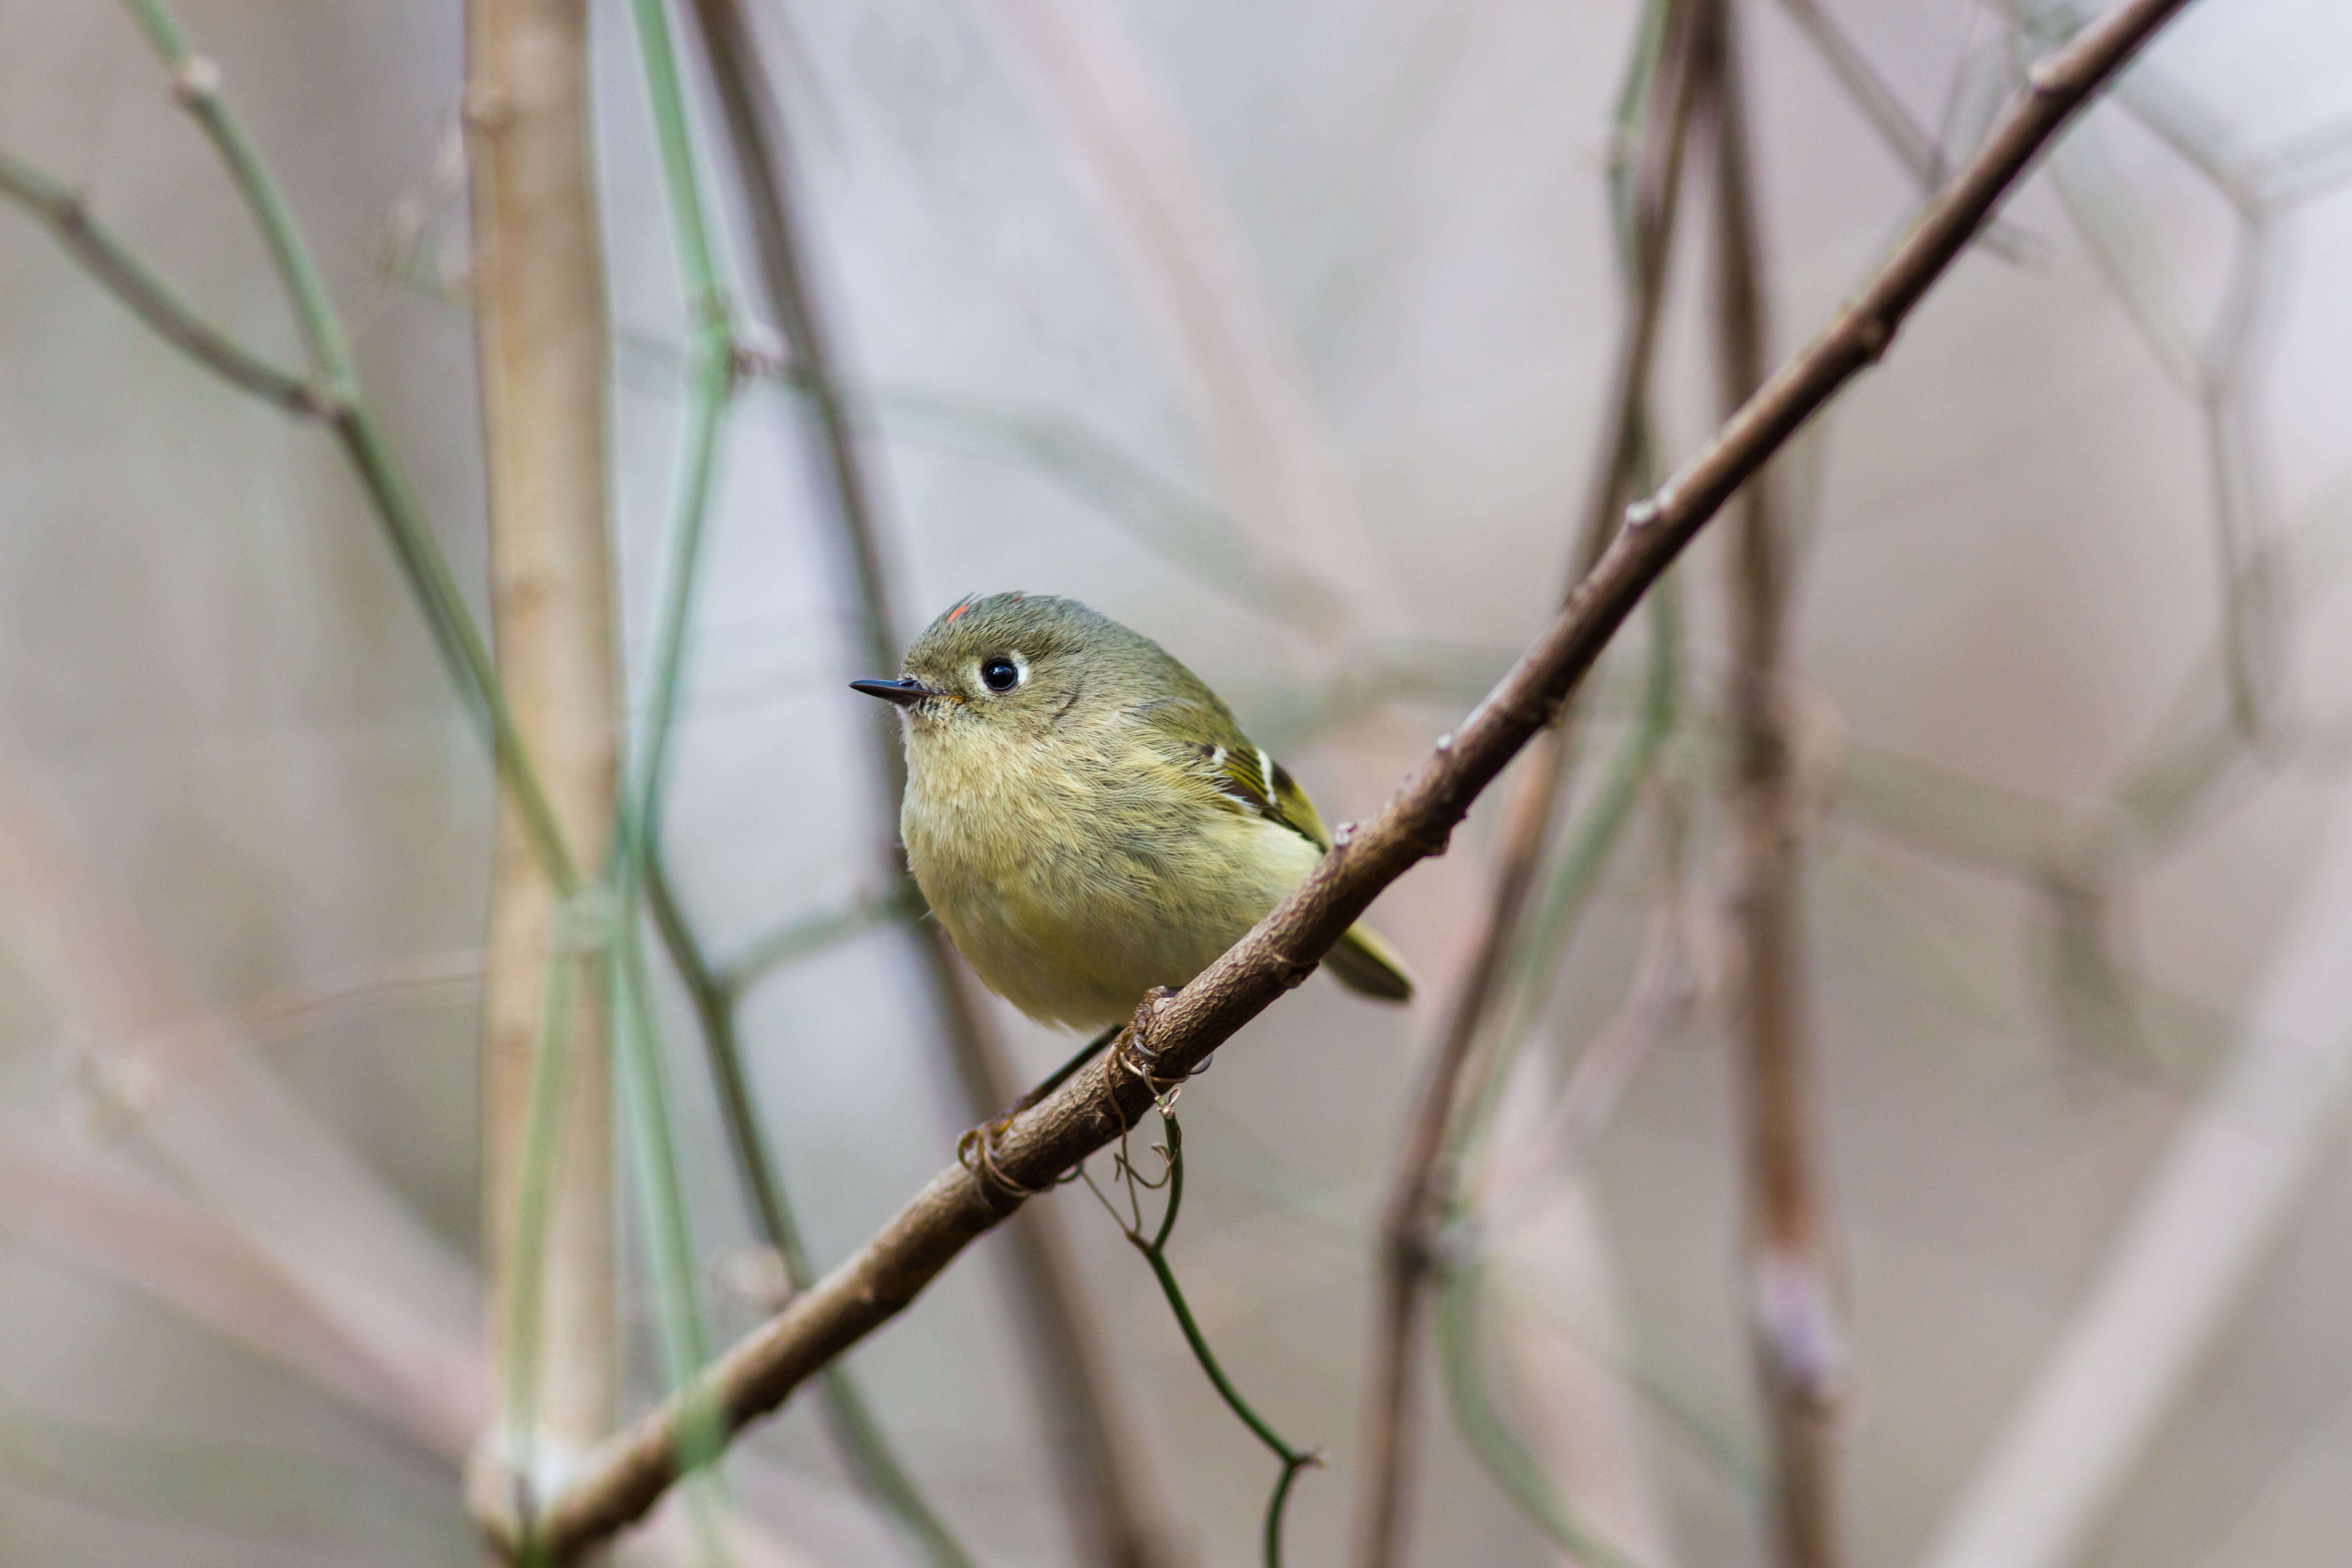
[1284, 335]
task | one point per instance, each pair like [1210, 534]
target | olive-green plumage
[1085, 816]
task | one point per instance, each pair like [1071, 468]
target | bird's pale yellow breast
[1076, 876]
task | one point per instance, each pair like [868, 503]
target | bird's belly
[1076, 933]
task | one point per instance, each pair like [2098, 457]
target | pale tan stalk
[539, 293]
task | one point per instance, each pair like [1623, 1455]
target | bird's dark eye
[1000, 674]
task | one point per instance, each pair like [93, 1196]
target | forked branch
[1173, 1036]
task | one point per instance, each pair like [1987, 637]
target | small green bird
[1085, 816]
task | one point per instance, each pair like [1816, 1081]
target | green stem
[196, 83]
[455, 634]
[143, 290]
[1624, 125]
[1587, 850]
[665, 95]
[809, 935]
[1542, 948]
[1491, 1439]
[638, 866]
[1155, 1252]
[641, 1059]
[864, 1449]
[645, 1092]
[646, 1081]
[526, 1273]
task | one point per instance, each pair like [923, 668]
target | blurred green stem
[1574, 877]
[1100, 1474]
[864, 1447]
[526, 1269]
[641, 1058]
[713, 372]
[1496, 1447]
[811, 934]
[1877, 102]
[196, 83]
[143, 290]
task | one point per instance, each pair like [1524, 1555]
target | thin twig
[864, 1447]
[1177, 1033]
[1100, 1474]
[1792, 1330]
[711, 383]
[1905, 137]
[809, 935]
[1586, 1101]
[1416, 1203]
[719, 358]
[1497, 1448]
[1155, 1252]
[65, 211]
[196, 83]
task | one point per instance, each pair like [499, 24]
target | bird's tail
[1363, 963]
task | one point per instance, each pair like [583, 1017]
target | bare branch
[1792, 1330]
[1173, 1036]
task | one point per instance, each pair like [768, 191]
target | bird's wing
[1253, 781]
[1203, 739]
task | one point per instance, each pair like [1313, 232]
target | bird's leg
[977, 1148]
[1060, 1075]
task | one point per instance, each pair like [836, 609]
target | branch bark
[1101, 1472]
[1173, 1036]
[1417, 1197]
[540, 343]
[1792, 1327]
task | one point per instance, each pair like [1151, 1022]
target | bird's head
[1008, 666]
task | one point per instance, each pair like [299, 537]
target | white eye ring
[1002, 672]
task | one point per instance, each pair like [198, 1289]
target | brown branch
[1173, 1036]
[1418, 1195]
[1100, 1471]
[540, 340]
[1792, 1327]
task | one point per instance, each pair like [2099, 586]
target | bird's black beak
[905, 693]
